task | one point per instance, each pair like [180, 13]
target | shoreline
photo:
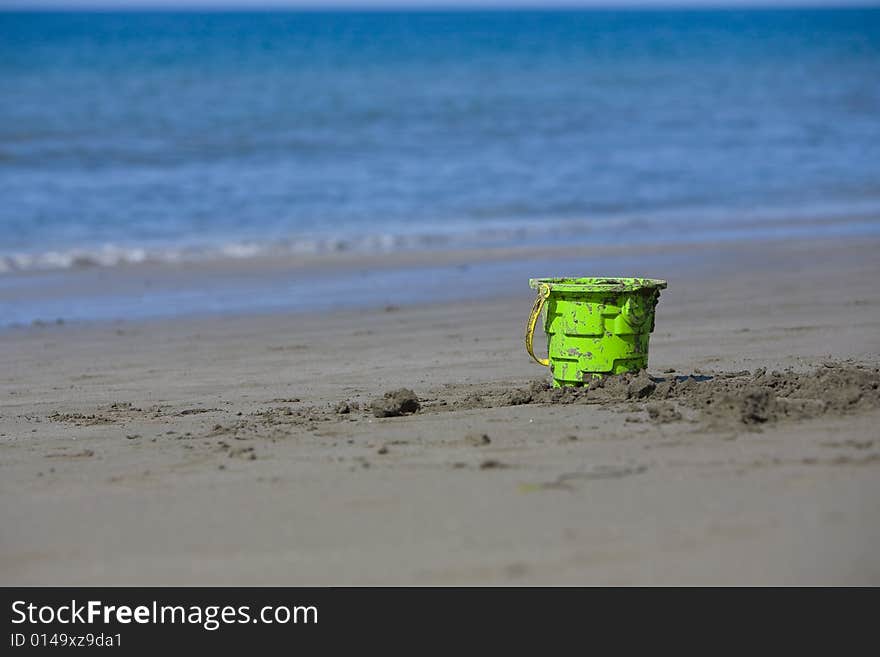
[356, 281]
[737, 225]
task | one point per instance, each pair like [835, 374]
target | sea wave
[699, 226]
[113, 255]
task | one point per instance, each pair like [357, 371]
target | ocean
[166, 137]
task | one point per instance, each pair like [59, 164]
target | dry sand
[244, 450]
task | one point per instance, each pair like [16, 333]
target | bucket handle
[537, 307]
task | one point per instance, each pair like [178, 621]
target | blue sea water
[135, 136]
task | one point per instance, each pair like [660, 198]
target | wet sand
[246, 450]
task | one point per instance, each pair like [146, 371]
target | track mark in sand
[247, 452]
[117, 412]
[81, 419]
[569, 480]
[872, 458]
[82, 454]
[867, 459]
[121, 412]
[849, 443]
[196, 411]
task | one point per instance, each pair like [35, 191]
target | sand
[247, 450]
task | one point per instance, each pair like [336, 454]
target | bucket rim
[598, 284]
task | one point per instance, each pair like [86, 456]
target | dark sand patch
[662, 412]
[740, 400]
[81, 419]
[477, 439]
[395, 403]
[115, 413]
[569, 480]
[81, 454]
[197, 411]
[745, 399]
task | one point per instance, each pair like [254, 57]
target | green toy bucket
[595, 326]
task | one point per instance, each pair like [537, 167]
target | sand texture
[264, 449]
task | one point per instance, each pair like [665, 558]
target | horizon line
[31, 7]
[441, 5]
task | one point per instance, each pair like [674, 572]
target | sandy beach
[243, 449]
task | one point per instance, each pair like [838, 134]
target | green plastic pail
[595, 326]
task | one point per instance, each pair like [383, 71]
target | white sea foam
[105, 256]
[644, 228]
[112, 255]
